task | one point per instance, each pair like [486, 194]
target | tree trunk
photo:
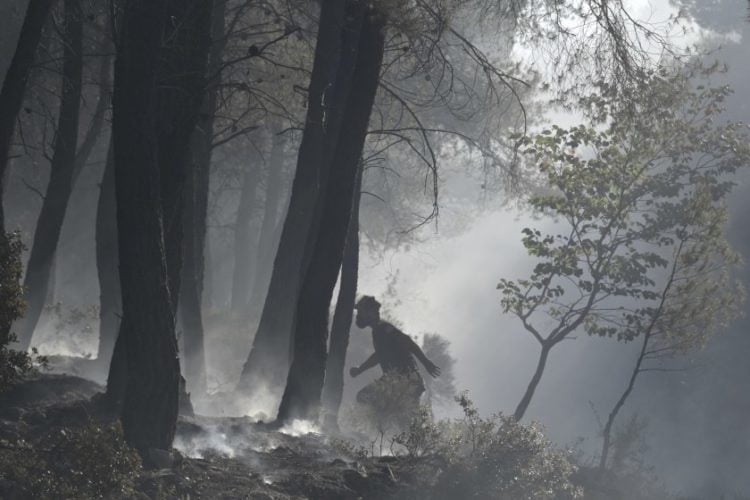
[267, 240]
[526, 400]
[49, 224]
[333, 388]
[14, 85]
[179, 103]
[97, 118]
[147, 330]
[110, 306]
[333, 65]
[194, 218]
[154, 112]
[244, 261]
[305, 382]
[607, 432]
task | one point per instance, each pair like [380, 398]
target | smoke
[300, 428]
[202, 437]
[211, 439]
[444, 283]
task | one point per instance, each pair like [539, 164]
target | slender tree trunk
[333, 65]
[333, 388]
[155, 107]
[96, 125]
[267, 240]
[526, 400]
[110, 305]
[244, 262]
[49, 224]
[305, 382]
[14, 85]
[607, 432]
[196, 211]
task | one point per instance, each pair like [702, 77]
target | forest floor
[215, 457]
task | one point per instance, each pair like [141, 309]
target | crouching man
[394, 352]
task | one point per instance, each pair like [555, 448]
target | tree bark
[59, 188]
[333, 388]
[110, 304]
[335, 53]
[155, 107]
[14, 85]
[181, 89]
[305, 381]
[523, 405]
[146, 338]
[194, 217]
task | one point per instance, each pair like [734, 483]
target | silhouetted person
[394, 350]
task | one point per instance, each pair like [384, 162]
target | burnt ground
[220, 457]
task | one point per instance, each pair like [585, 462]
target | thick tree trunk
[179, 103]
[146, 342]
[333, 389]
[268, 240]
[194, 218]
[155, 108]
[244, 261]
[333, 64]
[110, 305]
[305, 382]
[14, 85]
[49, 224]
[523, 405]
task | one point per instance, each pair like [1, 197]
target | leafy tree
[638, 195]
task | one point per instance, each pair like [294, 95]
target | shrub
[499, 458]
[13, 364]
[390, 407]
[424, 436]
[484, 458]
[88, 462]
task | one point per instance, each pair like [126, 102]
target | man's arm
[369, 363]
[414, 348]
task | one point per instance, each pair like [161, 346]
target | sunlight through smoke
[300, 428]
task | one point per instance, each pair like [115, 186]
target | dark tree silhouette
[196, 208]
[156, 103]
[110, 304]
[333, 389]
[180, 95]
[333, 65]
[301, 397]
[60, 186]
[14, 85]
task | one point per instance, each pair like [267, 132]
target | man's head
[368, 311]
